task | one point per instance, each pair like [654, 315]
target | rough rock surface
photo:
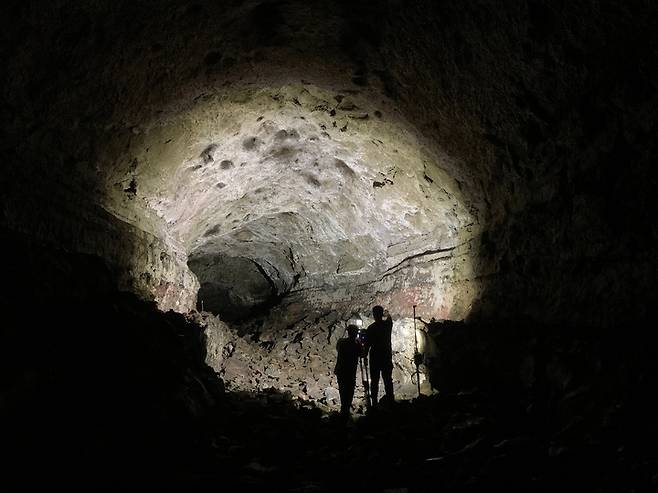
[473, 159]
[519, 116]
[287, 181]
[466, 441]
[298, 357]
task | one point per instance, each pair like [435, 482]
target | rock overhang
[319, 186]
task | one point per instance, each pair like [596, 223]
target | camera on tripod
[361, 338]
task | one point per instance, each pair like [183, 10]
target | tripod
[363, 366]
[418, 358]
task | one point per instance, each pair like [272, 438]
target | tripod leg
[364, 380]
[366, 384]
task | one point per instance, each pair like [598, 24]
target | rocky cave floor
[125, 400]
[465, 441]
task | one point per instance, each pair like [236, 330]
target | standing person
[381, 355]
[346, 362]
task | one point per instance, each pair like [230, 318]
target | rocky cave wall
[297, 188]
[533, 123]
[293, 350]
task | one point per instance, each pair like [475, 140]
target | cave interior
[199, 196]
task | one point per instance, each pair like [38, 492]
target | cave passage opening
[302, 189]
[295, 205]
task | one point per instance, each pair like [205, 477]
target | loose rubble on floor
[518, 410]
[466, 441]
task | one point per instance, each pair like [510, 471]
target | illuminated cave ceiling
[121, 121]
[268, 163]
[270, 190]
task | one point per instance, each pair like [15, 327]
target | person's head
[352, 330]
[378, 312]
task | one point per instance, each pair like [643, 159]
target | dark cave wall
[94, 383]
[39, 229]
[558, 117]
[551, 109]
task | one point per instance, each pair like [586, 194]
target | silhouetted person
[381, 355]
[346, 362]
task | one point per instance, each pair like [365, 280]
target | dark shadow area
[236, 288]
[102, 391]
[583, 397]
[97, 387]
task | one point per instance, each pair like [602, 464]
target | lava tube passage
[277, 245]
[296, 206]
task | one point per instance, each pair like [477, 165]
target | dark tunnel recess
[235, 287]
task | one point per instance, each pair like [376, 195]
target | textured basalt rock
[472, 159]
[299, 202]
